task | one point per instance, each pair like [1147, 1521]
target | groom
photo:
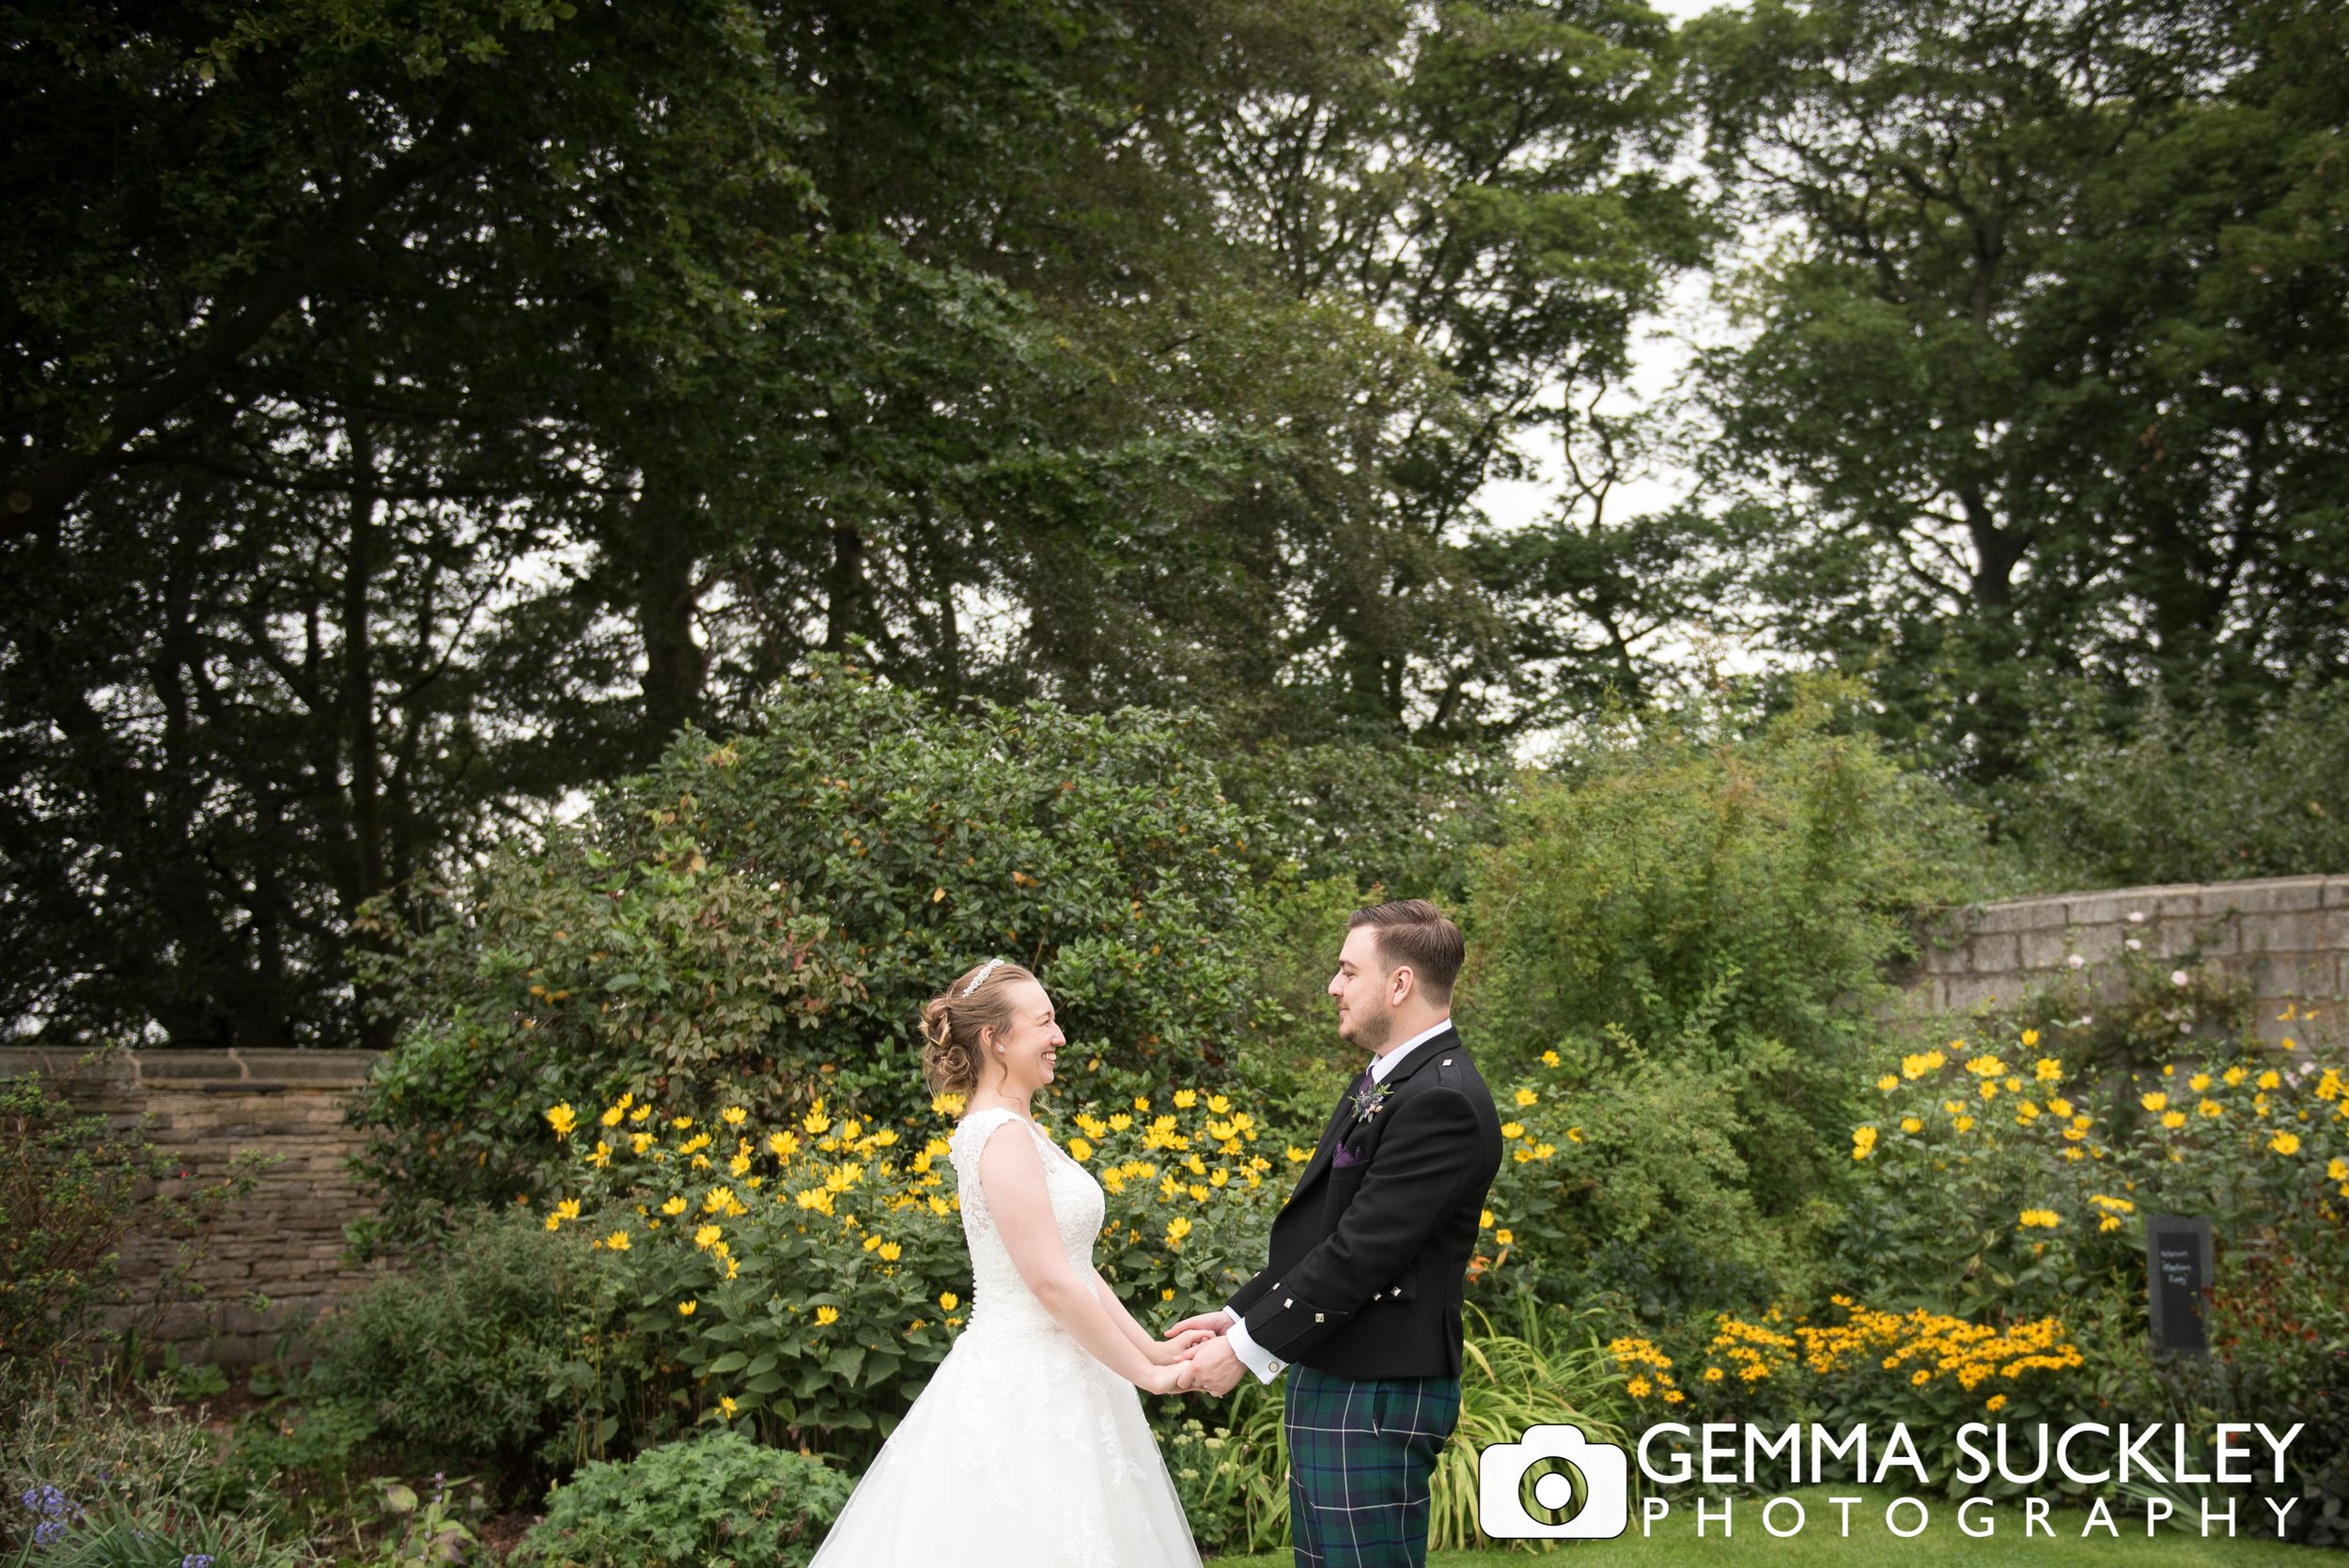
[1361, 1301]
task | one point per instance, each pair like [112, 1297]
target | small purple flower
[47, 1532]
[197, 1559]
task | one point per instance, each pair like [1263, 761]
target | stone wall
[2290, 935]
[285, 1242]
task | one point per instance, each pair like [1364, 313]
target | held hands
[1214, 1368]
[1198, 1358]
[1171, 1361]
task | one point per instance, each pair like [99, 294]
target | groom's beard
[1372, 1033]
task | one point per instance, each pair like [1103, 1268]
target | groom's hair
[1414, 932]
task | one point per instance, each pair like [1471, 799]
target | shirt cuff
[1256, 1357]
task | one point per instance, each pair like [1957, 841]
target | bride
[1028, 1447]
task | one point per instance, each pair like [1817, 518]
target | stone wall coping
[231, 1069]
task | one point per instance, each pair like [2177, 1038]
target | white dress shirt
[1256, 1357]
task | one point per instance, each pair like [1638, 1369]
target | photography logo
[1555, 1484]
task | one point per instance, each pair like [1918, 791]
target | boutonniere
[1368, 1101]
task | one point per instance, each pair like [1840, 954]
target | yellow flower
[1297, 1156]
[1176, 1229]
[567, 1208]
[1527, 1097]
[2199, 1082]
[1864, 1143]
[825, 1315]
[1986, 1066]
[890, 1251]
[1512, 1130]
[1484, 1220]
[1673, 1396]
[563, 1119]
[2060, 1105]
[1911, 1124]
[2211, 1107]
[2285, 1142]
[2031, 1038]
[2269, 1079]
[725, 1405]
[1186, 1098]
[2154, 1101]
[2235, 1075]
[733, 1115]
[1963, 1124]
[1505, 1238]
[553, 1223]
[617, 1241]
[1636, 1387]
[1549, 1059]
[1712, 1375]
[2337, 1171]
[948, 1300]
[2174, 1119]
[1921, 1375]
[782, 1146]
[1888, 1083]
[1996, 1401]
[685, 1309]
[1080, 1148]
[612, 1116]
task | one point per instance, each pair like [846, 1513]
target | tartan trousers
[1360, 1456]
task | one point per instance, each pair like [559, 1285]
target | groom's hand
[1214, 1322]
[1214, 1368]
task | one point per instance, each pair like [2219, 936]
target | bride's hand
[1167, 1352]
[1167, 1378]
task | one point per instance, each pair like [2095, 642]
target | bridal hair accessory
[985, 969]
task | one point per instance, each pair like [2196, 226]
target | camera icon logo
[1599, 1509]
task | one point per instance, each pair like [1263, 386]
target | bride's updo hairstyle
[979, 999]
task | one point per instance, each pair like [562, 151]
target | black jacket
[1368, 1260]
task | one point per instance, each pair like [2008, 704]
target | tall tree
[2049, 361]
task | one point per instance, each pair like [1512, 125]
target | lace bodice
[999, 1298]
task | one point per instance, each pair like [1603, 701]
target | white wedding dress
[1024, 1452]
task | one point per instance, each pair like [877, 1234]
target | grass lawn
[1820, 1542]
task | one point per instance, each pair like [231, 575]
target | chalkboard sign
[2177, 1271]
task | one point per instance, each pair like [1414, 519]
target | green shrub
[457, 1357]
[713, 1501]
[804, 1279]
[1999, 1176]
[70, 1191]
[1622, 1175]
[757, 922]
[112, 1534]
[2200, 797]
[1697, 912]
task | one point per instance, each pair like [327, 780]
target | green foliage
[459, 1353]
[1695, 922]
[1998, 1177]
[74, 1430]
[1623, 1176]
[803, 1281]
[757, 922]
[71, 1190]
[2187, 795]
[714, 1498]
[113, 1534]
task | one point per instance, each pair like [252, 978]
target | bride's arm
[1164, 1352]
[1012, 1175]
